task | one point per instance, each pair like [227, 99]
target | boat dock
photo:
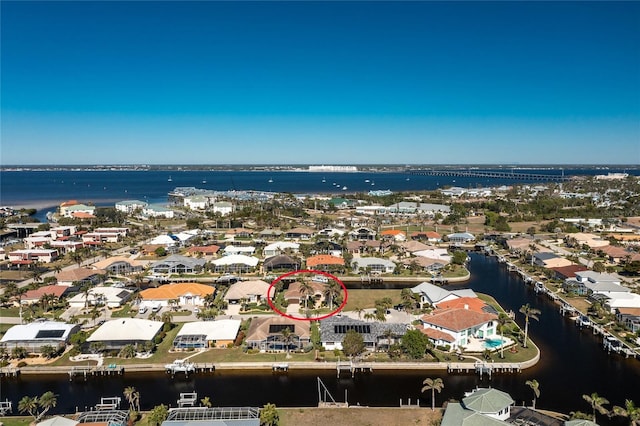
[9, 372]
[109, 403]
[482, 368]
[353, 367]
[6, 407]
[281, 367]
[182, 366]
[188, 399]
[94, 370]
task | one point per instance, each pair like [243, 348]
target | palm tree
[167, 317]
[433, 385]
[29, 405]
[629, 411]
[206, 402]
[46, 401]
[535, 387]
[528, 312]
[306, 290]
[287, 337]
[332, 291]
[503, 320]
[407, 297]
[132, 396]
[358, 310]
[369, 316]
[597, 402]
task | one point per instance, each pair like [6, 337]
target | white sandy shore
[35, 204]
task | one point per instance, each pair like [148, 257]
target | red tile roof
[472, 303]
[393, 232]
[457, 319]
[56, 290]
[324, 259]
[437, 334]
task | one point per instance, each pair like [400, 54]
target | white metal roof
[224, 329]
[30, 331]
[233, 259]
[126, 329]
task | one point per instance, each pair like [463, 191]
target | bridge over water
[491, 174]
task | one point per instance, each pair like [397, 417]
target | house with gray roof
[177, 264]
[376, 335]
[432, 294]
[483, 406]
[461, 237]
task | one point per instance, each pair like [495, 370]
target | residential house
[373, 264]
[294, 294]
[130, 206]
[462, 324]
[431, 294]
[157, 211]
[80, 276]
[483, 406]
[206, 252]
[235, 250]
[461, 237]
[235, 263]
[376, 335]
[35, 295]
[186, 294]
[430, 236]
[117, 333]
[112, 297]
[253, 291]
[221, 207]
[35, 335]
[78, 210]
[119, 265]
[27, 257]
[207, 334]
[280, 247]
[425, 264]
[299, 233]
[325, 262]
[629, 317]
[394, 235]
[281, 262]
[196, 202]
[550, 260]
[434, 253]
[176, 264]
[265, 334]
[566, 272]
[362, 234]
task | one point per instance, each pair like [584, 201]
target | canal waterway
[572, 363]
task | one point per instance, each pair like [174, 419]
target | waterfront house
[461, 238]
[112, 297]
[78, 211]
[431, 294]
[130, 206]
[80, 276]
[177, 264]
[325, 262]
[483, 406]
[119, 265]
[429, 236]
[117, 333]
[435, 253]
[281, 262]
[629, 317]
[462, 324]
[207, 334]
[376, 335]
[58, 421]
[373, 264]
[196, 202]
[253, 291]
[265, 334]
[394, 235]
[431, 266]
[235, 263]
[186, 294]
[550, 260]
[566, 272]
[35, 335]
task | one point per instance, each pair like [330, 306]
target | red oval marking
[306, 271]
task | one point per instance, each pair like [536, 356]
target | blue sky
[327, 82]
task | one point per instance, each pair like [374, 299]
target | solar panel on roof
[49, 334]
[359, 328]
[277, 328]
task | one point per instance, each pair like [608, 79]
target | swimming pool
[492, 343]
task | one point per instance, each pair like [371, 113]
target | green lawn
[10, 312]
[236, 355]
[124, 312]
[366, 298]
[16, 421]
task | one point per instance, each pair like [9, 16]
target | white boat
[180, 365]
[204, 181]
[367, 180]
[270, 180]
[320, 279]
[373, 183]
[169, 180]
[323, 180]
[344, 188]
